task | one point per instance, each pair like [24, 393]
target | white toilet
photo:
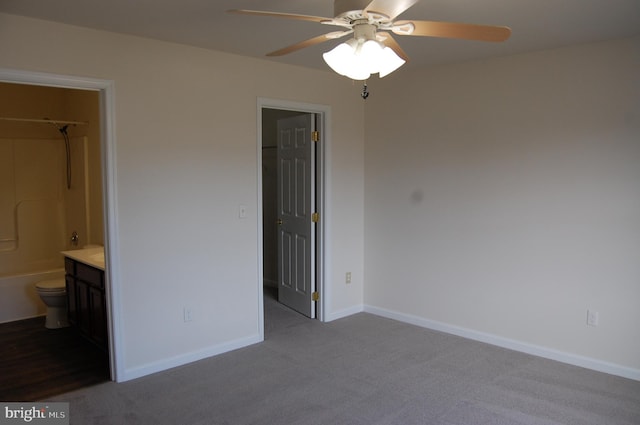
[54, 294]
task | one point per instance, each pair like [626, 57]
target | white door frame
[108, 155]
[323, 113]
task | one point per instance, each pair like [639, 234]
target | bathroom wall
[37, 211]
[84, 105]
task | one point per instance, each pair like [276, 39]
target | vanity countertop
[93, 257]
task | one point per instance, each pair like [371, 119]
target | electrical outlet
[188, 314]
[347, 278]
[242, 211]
[593, 318]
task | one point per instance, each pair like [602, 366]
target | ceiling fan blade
[310, 42]
[280, 15]
[391, 42]
[390, 8]
[452, 30]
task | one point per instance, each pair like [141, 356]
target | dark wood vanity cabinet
[86, 302]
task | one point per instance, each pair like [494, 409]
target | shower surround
[37, 216]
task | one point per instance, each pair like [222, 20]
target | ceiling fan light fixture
[372, 49]
[358, 59]
[390, 62]
[340, 59]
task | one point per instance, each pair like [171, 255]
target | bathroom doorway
[271, 113]
[98, 97]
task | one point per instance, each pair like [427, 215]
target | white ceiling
[536, 24]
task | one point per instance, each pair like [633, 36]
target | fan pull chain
[365, 91]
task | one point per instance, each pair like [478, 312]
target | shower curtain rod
[62, 128]
[46, 120]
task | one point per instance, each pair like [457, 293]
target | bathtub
[18, 296]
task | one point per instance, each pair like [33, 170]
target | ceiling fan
[372, 48]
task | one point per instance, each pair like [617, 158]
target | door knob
[279, 222]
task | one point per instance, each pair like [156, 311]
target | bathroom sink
[91, 256]
[99, 257]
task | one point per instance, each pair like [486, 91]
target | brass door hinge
[315, 217]
[315, 136]
[315, 296]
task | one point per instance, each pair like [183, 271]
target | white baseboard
[344, 313]
[536, 350]
[159, 366]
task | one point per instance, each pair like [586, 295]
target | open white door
[296, 206]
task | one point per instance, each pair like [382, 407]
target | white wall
[503, 201]
[186, 158]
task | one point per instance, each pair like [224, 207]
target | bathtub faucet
[74, 238]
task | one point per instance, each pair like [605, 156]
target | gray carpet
[362, 370]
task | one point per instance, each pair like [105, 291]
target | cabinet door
[83, 308]
[97, 310]
[72, 311]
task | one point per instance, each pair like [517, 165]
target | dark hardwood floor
[37, 363]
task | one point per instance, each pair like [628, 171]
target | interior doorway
[68, 213]
[107, 158]
[276, 268]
